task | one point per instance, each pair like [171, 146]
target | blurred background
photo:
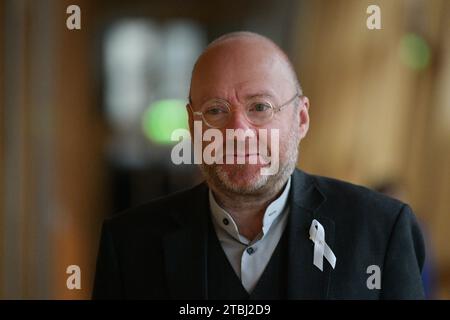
[86, 115]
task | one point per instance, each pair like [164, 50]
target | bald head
[243, 48]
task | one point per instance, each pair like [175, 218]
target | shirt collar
[225, 221]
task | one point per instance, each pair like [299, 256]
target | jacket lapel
[305, 280]
[185, 251]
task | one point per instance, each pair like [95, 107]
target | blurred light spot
[129, 46]
[162, 117]
[414, 52]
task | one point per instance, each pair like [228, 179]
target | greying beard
[215, 174]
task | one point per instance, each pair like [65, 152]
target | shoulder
[155, 216]
[341, 191]
[358, 204]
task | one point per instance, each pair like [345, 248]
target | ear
[190, 119]
[304, 116]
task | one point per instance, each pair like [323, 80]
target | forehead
[243, 67]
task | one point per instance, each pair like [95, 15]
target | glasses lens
[259, 112]
[216, 113]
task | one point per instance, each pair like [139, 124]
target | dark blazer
[157, 251]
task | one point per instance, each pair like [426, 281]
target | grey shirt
[250, 258]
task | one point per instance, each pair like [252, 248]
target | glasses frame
[228, 105]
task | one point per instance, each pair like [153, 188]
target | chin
[243, 179]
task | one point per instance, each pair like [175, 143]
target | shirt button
[250, 250]
[225, 221]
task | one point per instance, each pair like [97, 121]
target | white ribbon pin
[321, 249]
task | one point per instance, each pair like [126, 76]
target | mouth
[241, 155]
[248, 158]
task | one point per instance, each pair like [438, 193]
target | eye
[259, 107]
[216, 110]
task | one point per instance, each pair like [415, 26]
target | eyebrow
[258, 94]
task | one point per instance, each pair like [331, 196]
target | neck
[247, 210]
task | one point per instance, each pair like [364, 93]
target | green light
[414, 51]
[162, 117]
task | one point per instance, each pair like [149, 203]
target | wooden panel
[374, 119]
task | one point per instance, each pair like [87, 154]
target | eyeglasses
[258, 111]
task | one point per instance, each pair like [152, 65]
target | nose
[238, 120]
[242, 144]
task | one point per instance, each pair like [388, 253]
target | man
[245, 235]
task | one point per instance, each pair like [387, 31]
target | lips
[254, 158]
[241, 155]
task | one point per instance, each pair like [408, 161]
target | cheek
[285, 144]
[288, 140]
[284, 137]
